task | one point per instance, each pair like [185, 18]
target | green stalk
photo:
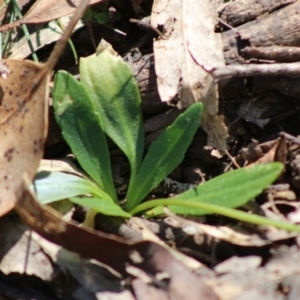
[25, 30]
[228, 212]
[70, 42]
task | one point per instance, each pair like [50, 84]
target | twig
[287, 69]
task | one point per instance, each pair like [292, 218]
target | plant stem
[70, 42]
[25, 30]
[225, 211]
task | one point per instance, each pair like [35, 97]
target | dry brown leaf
[139, 225]
[278, 152]
[24, 251]
[40, 38]
[182, 57]
[20, 254]
[111, 250]
[23, 125]
[23, 117]
[236, 235]
[45, 11]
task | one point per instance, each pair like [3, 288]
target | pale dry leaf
[190, 44]
[262, 282]
[45, 11]
[24, 117]
[239, 264]
[66, 165]
[140, 226]
[44, 36]
[234, 235]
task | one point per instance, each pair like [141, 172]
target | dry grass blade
[24, 117]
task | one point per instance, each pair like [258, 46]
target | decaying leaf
[146, 255]
[262, 282]
[23, 117]
[20, 255]
[25, 252]
[45, 10]
[40, 38]
[23, 125]
[182, 56]
[236, 235]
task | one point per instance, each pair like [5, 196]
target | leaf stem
[25, 30]
[228, 212]
[70, 42]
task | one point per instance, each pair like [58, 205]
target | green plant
[96, 16]
[106, 101]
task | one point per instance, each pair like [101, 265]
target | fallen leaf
[25, 252]
[49, 224]
[261, 282]
[278, 152]
[19, 253]
[45, 10]
[190, 44]
[236, 235]
[24, 117]
[110, 249]
[43, 36]
[23, 125]
[239, 264]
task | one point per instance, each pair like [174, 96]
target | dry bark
[243, 11]
[277, 29]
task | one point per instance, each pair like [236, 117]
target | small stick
[287, 69]
[290, 137]
[146, 24]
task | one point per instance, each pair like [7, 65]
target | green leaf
[164, 155]
[111, 86]
[82, 129]
[102, 18]
[54, 186]
[105, 207]
[232, 189]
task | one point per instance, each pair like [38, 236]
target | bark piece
[279, 28]
[242, 11]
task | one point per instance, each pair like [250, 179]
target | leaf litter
[187, 77]
[44, 11]
[24, 120]
[227, 281]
